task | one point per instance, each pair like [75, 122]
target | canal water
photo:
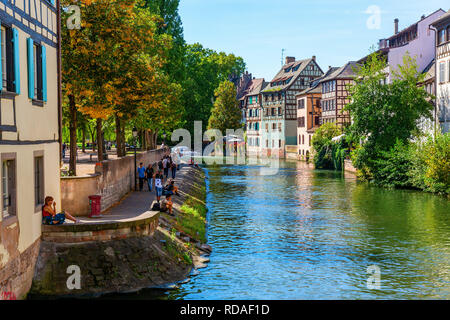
[309, 234]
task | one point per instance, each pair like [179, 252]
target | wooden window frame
[36, 155]
[12, 156]
[38, 85]
[10, 87]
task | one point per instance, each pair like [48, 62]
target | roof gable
[344, 72]
[254, 87]
[288, 74]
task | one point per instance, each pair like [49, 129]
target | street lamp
[135, 133]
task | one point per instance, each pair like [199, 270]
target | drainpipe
[58, 61]
[435, 79]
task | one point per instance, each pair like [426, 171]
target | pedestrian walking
[174, 169]
[141, 174]
[166, 167]
[159, 179]
[64, 147]
[149, 175]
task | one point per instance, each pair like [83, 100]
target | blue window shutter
[44, 72]
[30, 52]
[15, 40]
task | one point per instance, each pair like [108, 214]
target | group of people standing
[156, 177]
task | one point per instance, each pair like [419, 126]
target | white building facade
[442, 26]
[29, 134]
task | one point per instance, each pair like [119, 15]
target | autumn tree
[226, 113]
[118, 58]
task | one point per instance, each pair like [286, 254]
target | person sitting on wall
[169, 191]
[49, 215]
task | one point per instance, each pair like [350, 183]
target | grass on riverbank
[193, 221]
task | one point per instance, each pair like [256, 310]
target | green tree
[430, 164]
[327, 154]
[385, 114]
[226, 113]
[172, 25]
[206, 69]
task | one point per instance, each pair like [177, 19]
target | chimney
[290, 59]
[423, 17]
[396, 26]
[314, 58]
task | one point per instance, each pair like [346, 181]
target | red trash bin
[95, 202]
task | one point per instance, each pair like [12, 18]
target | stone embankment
[153, 250]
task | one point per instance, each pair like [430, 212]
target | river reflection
[307, 234]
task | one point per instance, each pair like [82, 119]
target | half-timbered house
[309, 113]
[280, 107]
[252, 106]
[29, 133]
[335, 94]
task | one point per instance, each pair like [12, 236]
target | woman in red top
[49, 215]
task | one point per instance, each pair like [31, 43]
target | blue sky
[335, 31]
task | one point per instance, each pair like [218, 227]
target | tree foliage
[430, 164]
[328, 154]
[226, 113]
[384, 115]
[206, 69]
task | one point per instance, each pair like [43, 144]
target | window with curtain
[442, 72]
[8, 188]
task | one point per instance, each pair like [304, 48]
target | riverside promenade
[131, 216]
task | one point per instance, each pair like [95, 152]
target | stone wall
[17, 275]
[108, 266]
[144, 226]
[113, 179]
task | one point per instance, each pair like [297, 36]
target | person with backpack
[174, 169]
[169, 190]
[166, 164]
[149, 175]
